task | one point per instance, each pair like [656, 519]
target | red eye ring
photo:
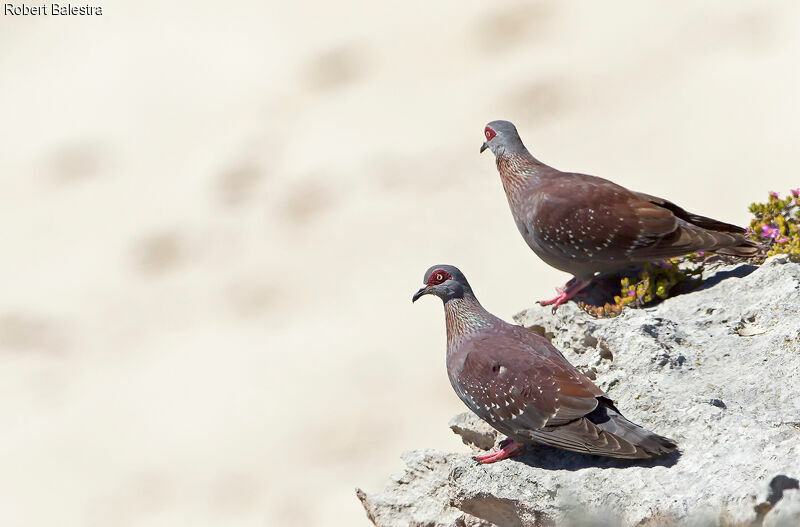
[490, 134]
[438, 276]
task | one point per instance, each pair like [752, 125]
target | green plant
[777, 223]
[655, 282]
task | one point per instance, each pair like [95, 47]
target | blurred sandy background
[214, 217]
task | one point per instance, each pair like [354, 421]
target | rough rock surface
[474, 431]
[717, 369]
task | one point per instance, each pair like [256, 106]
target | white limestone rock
[717, 369]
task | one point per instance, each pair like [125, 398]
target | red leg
[508, 448]
[570, 289]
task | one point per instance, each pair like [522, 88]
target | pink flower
[631, 293]
[700, 253]
[773, 194]
[796, 192]
[770, 230]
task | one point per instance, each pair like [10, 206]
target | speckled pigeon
[585, 224]
[516, 381]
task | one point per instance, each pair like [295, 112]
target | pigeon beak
[485, 146]
[422, 291]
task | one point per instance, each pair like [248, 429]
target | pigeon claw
[507, 448]
[572, 288]
[562, 297]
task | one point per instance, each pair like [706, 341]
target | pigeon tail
[608, 419]
[746, 249]
[729, 239]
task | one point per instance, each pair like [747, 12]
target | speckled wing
[584, 219]
[521, 385]
[519, 382]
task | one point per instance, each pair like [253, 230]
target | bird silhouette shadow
[607, 285]
[550, 458]
[737, 272]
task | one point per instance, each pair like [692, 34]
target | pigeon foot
[508, 448]
[570, 289]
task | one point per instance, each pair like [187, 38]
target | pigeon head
[444, 281]
[501, 138]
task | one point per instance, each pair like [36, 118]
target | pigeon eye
[438, 276]
[489, 133]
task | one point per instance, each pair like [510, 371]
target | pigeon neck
[516, 169]
[463, 316]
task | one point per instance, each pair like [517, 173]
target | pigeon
[584, 224]
[519, 383]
